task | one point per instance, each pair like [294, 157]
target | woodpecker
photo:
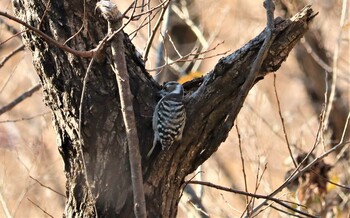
[169, 117]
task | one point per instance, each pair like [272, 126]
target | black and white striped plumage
[169, 117]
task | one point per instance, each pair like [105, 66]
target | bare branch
[308, 167]
[331, 182]
[44, 211]
[19, 99]
[24, 118]
[191, 24]
[315, 56]
[45, 13]
[45, 186]
[282, 121]
[48, 39]
[242, 162]
[81, 112]
[82, 24]
[335, 63]
[85, 54]
[6, 58]
[278, 201]
[185, 58]
[114, 18]
[16, 35]
[154, 30]
[270, 36]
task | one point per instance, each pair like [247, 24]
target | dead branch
[45, 186]
[254, 195]
[297, 172]
[282, 121]
[114, 18]
[212, 104]
[20, 98]
[40, 208]
[24, 118]
[6, 58]
[154, 30]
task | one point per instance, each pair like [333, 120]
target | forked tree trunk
[211, 104]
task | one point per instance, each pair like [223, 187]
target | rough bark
[210, 103]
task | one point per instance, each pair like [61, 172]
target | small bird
[169, 117]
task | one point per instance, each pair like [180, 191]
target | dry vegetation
[30, 162]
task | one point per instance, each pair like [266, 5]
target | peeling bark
[210, 103]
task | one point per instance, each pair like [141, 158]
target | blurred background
[193, 36]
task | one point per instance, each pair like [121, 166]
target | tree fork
[209, 103]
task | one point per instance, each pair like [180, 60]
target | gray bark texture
[211, 107]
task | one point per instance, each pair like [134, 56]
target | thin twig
[265, 122]
[306, 158]
[257, 185]
[242, 161]
[44, 211]
[200, 210]
[190, 23]
[335, 63]
[45, 186]
[161, 44]
[323, 114]
[19, 99]
[143, 23]
[45, 13]
[48, 39]
[192, 194]
[187, 182]
[331, 182]
[284, 211]
[270, 35]
[315, 56]
[298, 172]
[173, 45]
[82, 24]
[148, 19]
[336, 147]
[143, 4]
[8, 79]
[282, 121]
[5, 59]
[12, 37]
[161, 4]
[278, 201]
[81, 143]
[185, 58]
[154, 30]
[85, 54]
[212, 37]
[24, 118]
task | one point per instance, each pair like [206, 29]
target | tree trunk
[211, 105]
